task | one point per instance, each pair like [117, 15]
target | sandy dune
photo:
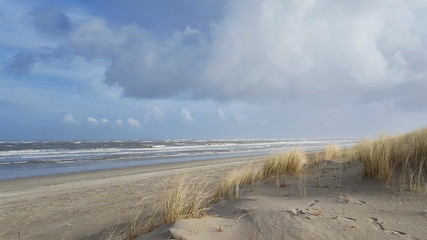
[338, 205]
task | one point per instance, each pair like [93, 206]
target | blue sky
[135, 69]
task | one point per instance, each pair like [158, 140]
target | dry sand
[88, 205]
[338, 205]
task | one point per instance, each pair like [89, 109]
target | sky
[167, 69]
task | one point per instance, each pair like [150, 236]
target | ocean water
[36, 158]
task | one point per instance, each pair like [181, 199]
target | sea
[21, 159]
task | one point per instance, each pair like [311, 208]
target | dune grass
[236, 181]
[391, 158]
[184, 199]
[291, 162]
[400, 159]
[333, 152]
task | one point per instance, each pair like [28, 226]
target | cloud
[156, 113]
[270, 61]
[69, 119]
[104, 120]
[92, 121]
[186, 115]
[268, 50]
[142, 64]
[134, 123]
[119, 122]
[221, 114]
[84, 39]
[20, 63]
[50, 21]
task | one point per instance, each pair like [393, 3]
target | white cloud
[133, 122]
[69, 119]
[119, 122]
[156, 113]
[221, 114]
[104, 120]
[92, 121]
[85, 38]
[186, 114]
[269, 50]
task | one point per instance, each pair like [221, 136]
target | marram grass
[184, 199]
[291, 162]
[236, 181]
[401, 158]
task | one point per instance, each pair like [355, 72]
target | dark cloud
[20, 63]
[143, 65]
[23, 63]
[50, 21]
[258, 51]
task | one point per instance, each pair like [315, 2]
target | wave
[125, 150]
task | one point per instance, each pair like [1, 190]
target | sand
[338, 204]
[330, 202]
[89, 205]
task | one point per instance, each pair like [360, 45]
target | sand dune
[340, 205]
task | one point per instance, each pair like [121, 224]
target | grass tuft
[184, 199]
[235, 182]
[388, 158]
[333, 152]
[291, 162]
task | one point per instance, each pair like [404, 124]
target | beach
[91, 204]
[373, 190]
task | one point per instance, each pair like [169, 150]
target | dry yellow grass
[388, 158]
[291, 162]
[142, 220]
[377, 159]
[181, 199]
[236, 181]
[333, 152]
[184, 199]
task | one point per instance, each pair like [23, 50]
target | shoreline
[19, 184]
[135, 163]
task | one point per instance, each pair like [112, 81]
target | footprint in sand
[360, 202]
[312, 203]
[380, 226]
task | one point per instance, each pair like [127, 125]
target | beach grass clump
[389, 157]
[333, 152]
[141, 220]
[236, 181]
[291, 162]
[377, 158]
[184, 199]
